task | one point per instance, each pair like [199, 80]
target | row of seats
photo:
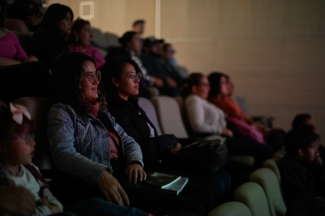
[261, 196]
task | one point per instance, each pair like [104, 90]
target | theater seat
[253, 196]
[38, 108]
[231, 209]
[149, 109]
[272, 164]
[267, 179]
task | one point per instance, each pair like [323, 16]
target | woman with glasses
[205, 119]
[87, 143]
[80, 41]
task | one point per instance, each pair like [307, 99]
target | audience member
[301, 120]
[151, 59]
[205, 119]
[84, 135]
[139, 26]
[49, 41]
[80, 41]
[29, 11]
[20, 75]
[219, 95]
[176, 72]
[121, 79]
[302, 170]
[131, 47]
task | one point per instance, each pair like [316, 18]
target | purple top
[10, 47]
[92, 52]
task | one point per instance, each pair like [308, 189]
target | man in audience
[139, 26]
[302, 170]
[151, 59]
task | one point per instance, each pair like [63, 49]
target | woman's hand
[135, 171]
[17, 201]
[176, 149]
[31, 59]
[54, 208]
[227, 132]
[112, 189]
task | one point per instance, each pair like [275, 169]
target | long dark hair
[193, 80]
[53, 15]
[126, 38]
[76, 27]
[214, 80]
[113, 68]
[67, 71]
[3, 9]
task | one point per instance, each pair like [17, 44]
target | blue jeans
[100, 207]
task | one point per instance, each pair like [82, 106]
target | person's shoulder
[289, 163]
[61, 108]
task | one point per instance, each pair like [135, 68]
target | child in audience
[302, 170]
[16, 169]
[80, 41]
[16, 150]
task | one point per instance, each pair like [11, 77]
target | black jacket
[47, 46]
[134, 120]
[301, 180]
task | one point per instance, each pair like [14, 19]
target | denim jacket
[80, 146]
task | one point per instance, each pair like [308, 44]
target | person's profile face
[311, 153]
[65, 24]
[89, 81]
[85, 36]
[139, 28]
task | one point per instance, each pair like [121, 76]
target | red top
[10, 47]
[112, 136]
[92, 52]
[229, 107]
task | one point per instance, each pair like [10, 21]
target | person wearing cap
[152, 60]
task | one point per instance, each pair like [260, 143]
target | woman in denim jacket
[86, 142]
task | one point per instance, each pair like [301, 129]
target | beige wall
[274, 50]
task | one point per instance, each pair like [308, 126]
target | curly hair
[67, 71]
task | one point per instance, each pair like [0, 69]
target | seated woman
[121, 78]
[206, 118]
[87, 143]
[219, 96]
[20, 75]
[80, 41]
[49, 40]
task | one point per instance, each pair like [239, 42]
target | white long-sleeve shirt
[26, 179]
[204, 117]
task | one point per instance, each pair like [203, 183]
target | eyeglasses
[29, 138]
[133, 76]
[91, 76]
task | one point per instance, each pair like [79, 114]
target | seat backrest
[147, 106]
[111, 39]
[38, 108]
[241, 101]
[99, 42]
[169, 116]
[271, 164]
[267, 179]
[253, 196]
[231, 209]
